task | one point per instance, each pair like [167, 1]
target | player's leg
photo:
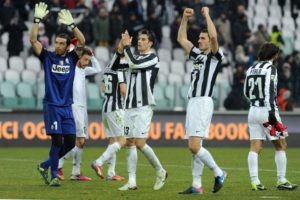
[255, 148]
[114, 131]
[256, 117]
[197, 167]
[197, 129]
[161, 173]
[111, 162]
[281, 162]
[131, 165]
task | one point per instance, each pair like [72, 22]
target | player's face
[204, 41]
[84, 61]
[60, 46]
[144, 44]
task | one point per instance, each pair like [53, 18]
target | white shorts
[256, 117]
[198, 117]
[81, 120]
[113, 123]
[137, 122]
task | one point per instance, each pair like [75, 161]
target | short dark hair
[86, 51]
[204, 31]
[65, 36]
[150, 34]
[267, 51]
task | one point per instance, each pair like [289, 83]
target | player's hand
[65, 17]
[188, 12]
[126, 39]
[272, 118]
[40, 10]
[120, 47]
[205, 11]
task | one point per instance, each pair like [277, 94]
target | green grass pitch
[20, 180]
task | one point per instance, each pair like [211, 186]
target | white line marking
[269, 197]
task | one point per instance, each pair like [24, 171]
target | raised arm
[94, 69]
[212, 32]
[40, 12]
[182, 32]
[65, 17]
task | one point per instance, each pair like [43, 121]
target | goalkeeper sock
[253, 167]
[281, 162]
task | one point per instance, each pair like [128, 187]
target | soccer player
[143, 69]
[79, 109]
[59, 69]
[261, 89]
[207, 58]
[114, 88]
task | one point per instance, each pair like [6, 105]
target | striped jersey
[114, 75]
[143, 69]
[204, 73]
[260, 86]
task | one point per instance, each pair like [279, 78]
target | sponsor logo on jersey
[60, 69]
[198, 63]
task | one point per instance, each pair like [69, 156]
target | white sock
[281, 162]
[131, 165]
[197, 169]
[65, 157]
[150, 155]
[77, 160]
[111, 163]
[109, 152]
[209, 161]
[253, 167]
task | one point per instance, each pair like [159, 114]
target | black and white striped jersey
[141, 76]
[260, 86]
[204, 73]
[114, 75]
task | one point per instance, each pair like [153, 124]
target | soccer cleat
[115, 178]
[80, 178]
[161, 178]
[286, 186]
[128, 187]
[54, 182]
[98, 170]
[219, 182]
[193, 190]
[258, 186]
[44, 173]
[60, 174]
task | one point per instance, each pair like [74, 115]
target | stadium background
[242, 27]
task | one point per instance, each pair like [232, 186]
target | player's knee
[280, 145]
[194, 149]
[122, 141]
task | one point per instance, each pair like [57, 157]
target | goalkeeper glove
[40, 11]
[65, 17]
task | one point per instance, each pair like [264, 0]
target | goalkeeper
[59, 67]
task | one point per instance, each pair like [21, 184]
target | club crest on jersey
[60, 69]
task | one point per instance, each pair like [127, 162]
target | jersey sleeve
[270, 89]
[219, 55]
[140, 62]
[43, 55]
[74, 56]
[94, 69]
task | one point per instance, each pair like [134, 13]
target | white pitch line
[269, 197]
[141, 164]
